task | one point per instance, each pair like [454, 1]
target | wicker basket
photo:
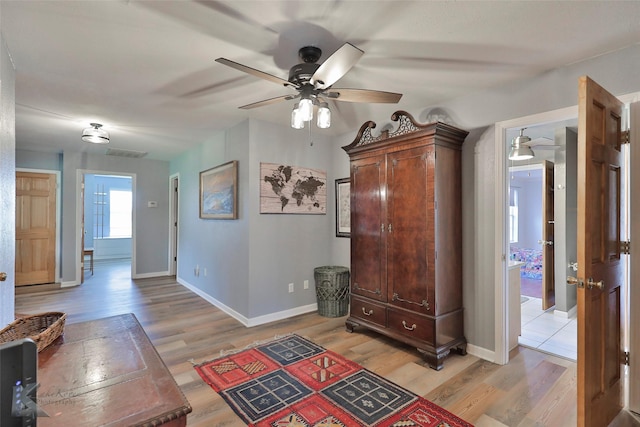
[42, 328]
[332, 290]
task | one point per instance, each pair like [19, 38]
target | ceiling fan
[313, 83]
[543, 143]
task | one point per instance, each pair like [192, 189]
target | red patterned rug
[292, 382]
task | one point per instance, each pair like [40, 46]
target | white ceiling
[146, 70]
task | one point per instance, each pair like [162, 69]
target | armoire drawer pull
[369, 313]
[407, 327]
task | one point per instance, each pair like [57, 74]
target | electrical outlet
[306, 284]
[290, 287]
[196, 271]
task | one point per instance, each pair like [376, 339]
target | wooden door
[35, 228]
[548, 251]
[410, 240]
[369, 228]
[600, 267]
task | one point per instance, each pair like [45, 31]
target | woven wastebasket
[332, 290]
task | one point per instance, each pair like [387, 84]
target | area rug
[292, 382]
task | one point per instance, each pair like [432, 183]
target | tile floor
[547, 332]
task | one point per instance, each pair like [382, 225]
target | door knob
[573, 281]
[3, 276]
[545, 242]
[591, 284]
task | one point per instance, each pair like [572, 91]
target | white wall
[113, 248]
[151, 226]
[219, 246]
[566, 217]
[286, 248]
[251, 260]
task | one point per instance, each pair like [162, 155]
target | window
[120, 213]
[513, 215]
[112, 207]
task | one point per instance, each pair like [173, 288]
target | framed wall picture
[219, 192]
[343, 207]
[286, 189]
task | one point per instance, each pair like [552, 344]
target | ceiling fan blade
[268, 101]
[363, 95]
[336, 66]
[254, 72]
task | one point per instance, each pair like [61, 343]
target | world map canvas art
[288, 189]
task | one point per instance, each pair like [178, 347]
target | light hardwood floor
[534, 389]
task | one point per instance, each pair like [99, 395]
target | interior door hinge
[626, 358]
[624, 136]
[625, 247]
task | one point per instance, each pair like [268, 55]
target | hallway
[114, 273]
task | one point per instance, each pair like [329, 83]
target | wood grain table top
[106, 372]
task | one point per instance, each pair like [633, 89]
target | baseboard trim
[249, 322]
[69, 284]
[150, 275]
[566, 314]
[481, 352]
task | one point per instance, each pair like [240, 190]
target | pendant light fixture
[324, 116]
[519, 151]
[95, 134]
[305, 109]
[303, 112]
[296, 118]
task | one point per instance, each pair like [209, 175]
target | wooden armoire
[406, 235]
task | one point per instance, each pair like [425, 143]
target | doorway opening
[108, 223]
[630, 336]
[542, 239]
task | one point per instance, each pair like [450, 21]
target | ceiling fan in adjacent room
[313, 83]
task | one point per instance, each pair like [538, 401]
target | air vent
[125, 153]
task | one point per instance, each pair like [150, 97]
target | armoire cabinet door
[368, 233]
[410, 240]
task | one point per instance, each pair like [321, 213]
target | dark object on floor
[332, 290]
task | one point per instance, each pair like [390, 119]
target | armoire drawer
[411, 325]
[367, 310]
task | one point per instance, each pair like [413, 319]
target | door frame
[79, 214]
[501, 352]
[58, 174]
[174, 216]
[501, 355]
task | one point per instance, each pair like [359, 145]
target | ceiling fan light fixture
[296, 118]
[95, 134]
[305, 108]
[324, 116]
[518, 150]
